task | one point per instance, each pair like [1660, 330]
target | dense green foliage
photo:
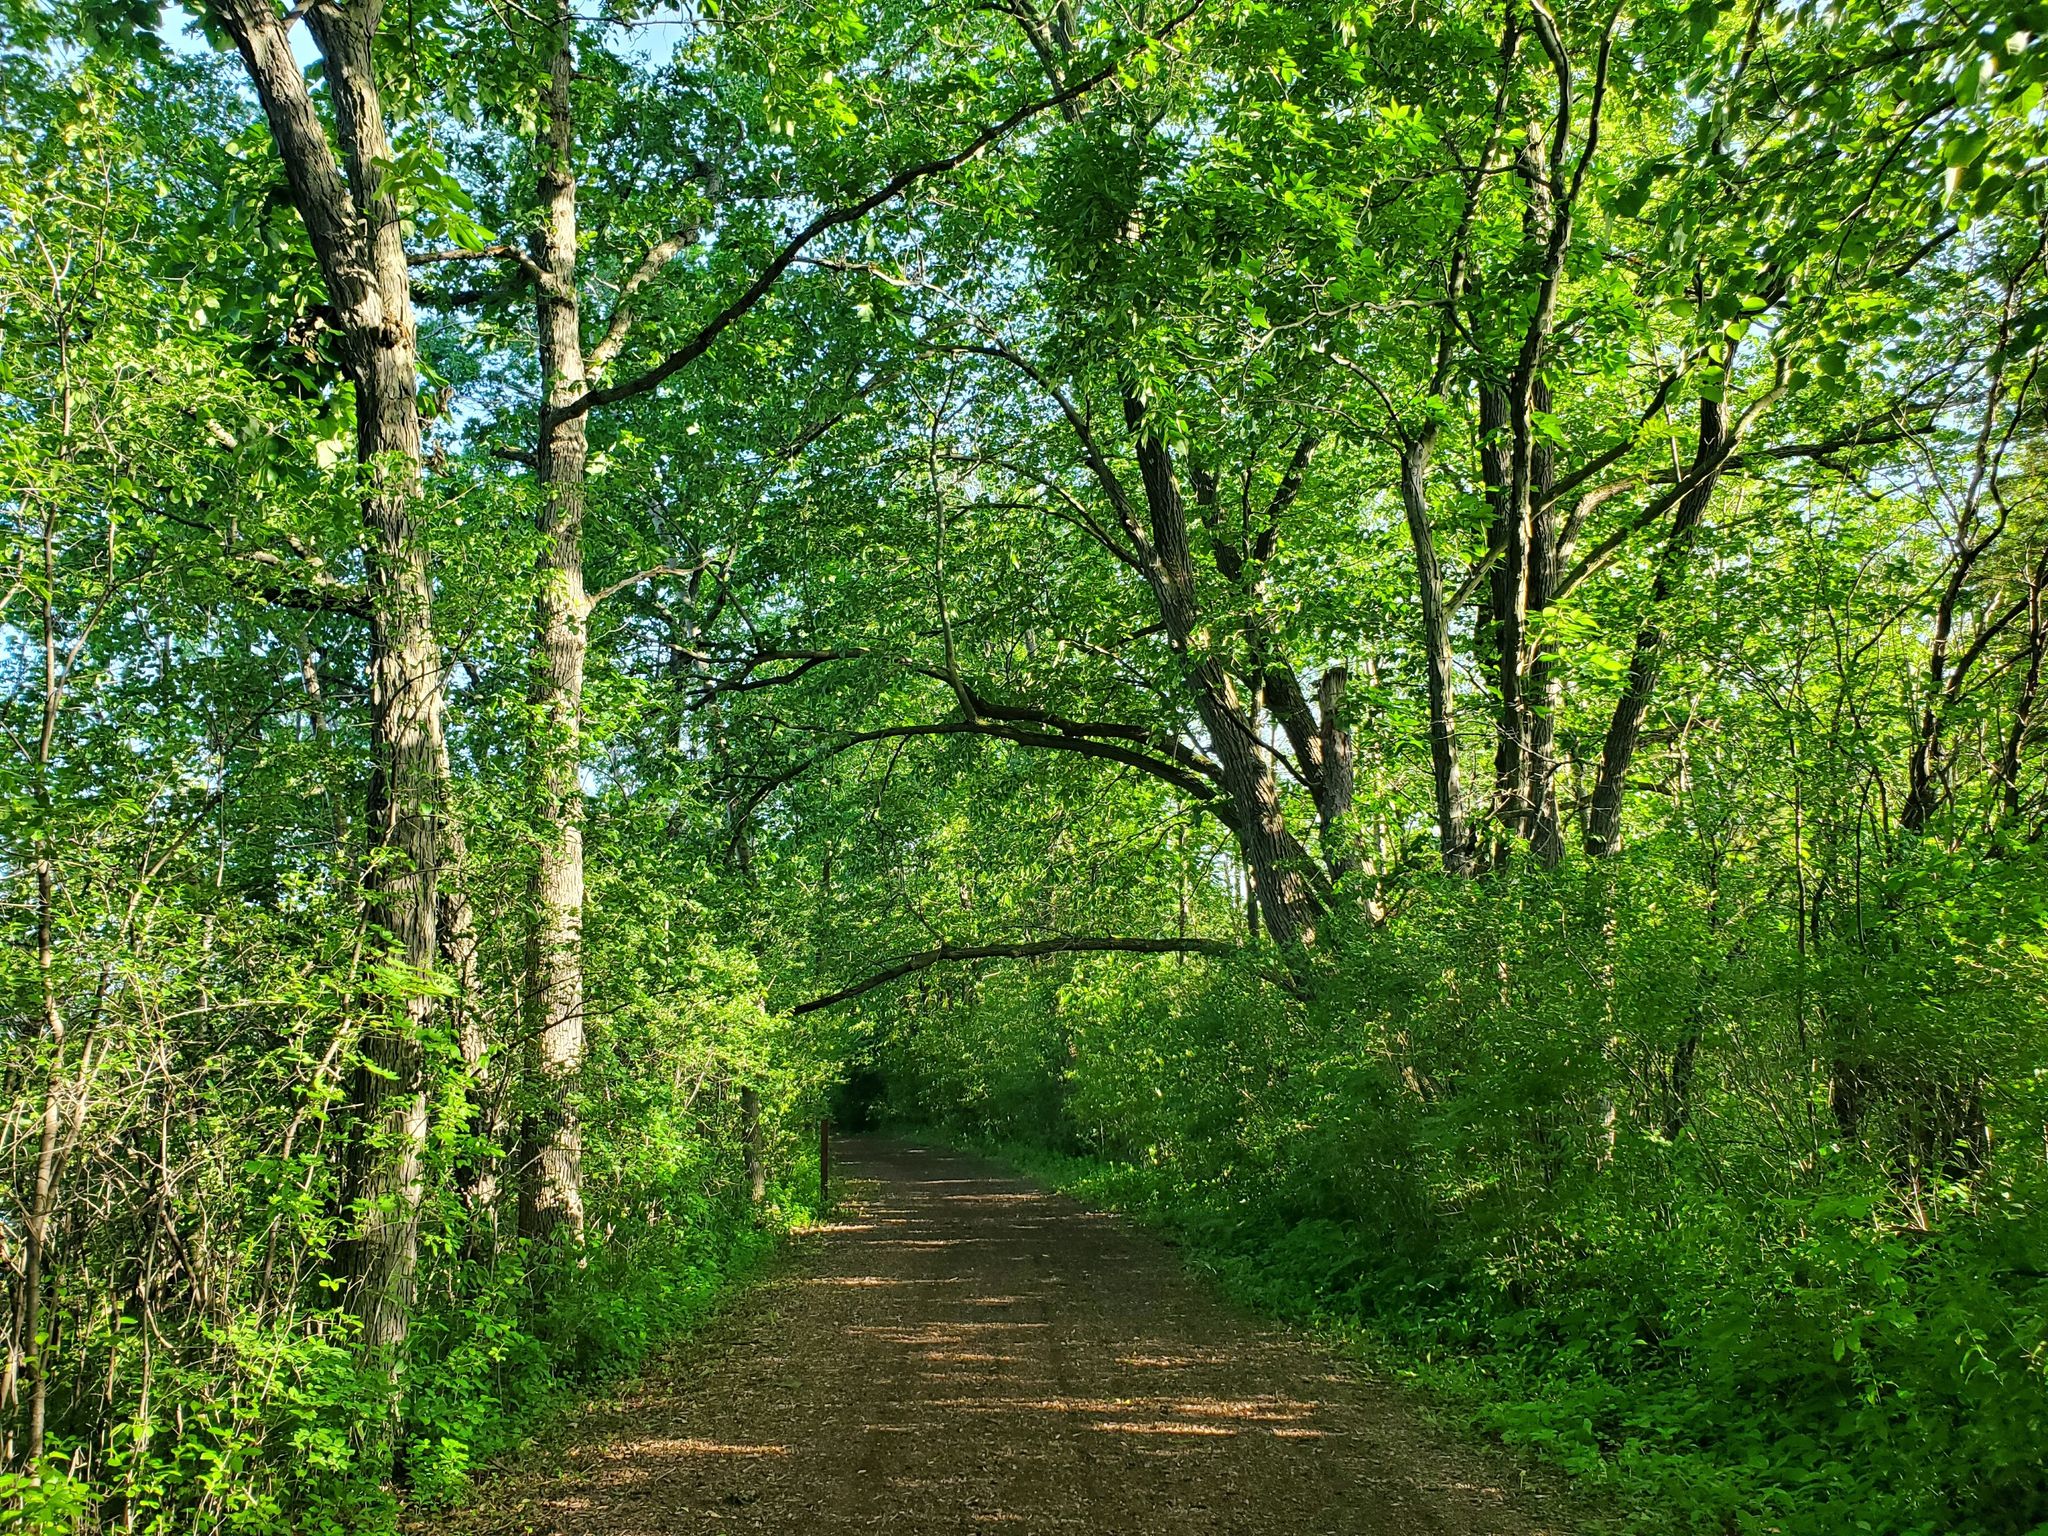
[1410, 639]
[1484, 1196]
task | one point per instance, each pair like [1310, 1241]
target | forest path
[959, 1352]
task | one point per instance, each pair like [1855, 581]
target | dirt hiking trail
[961, 1352]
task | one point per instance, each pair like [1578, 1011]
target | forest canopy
[1410, 638]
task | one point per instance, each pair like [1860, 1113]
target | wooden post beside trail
[824, 1163]
[750, 1133]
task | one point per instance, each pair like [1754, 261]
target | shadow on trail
[963, 1352]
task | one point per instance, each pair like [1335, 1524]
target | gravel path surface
[962, 1352]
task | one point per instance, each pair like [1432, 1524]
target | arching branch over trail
[1071, 736]
[910, 965]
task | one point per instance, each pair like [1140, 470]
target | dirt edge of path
[560, 1434]
[1440, 1422]
[758, 1421]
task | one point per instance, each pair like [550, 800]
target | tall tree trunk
[1322, 748]
[478, 1172]
[1273, 857]
[1276, 860]
[750, 1142]
[1516, 467]
[1632, 709]
[353, 224]
[551, 1192]
[2009, 760]
[1340, 777]
[26, 1349]
[1502, 604]
[1542, 687]
[1453, 839]
[1508, 611]
[1543, 235]
[1925, 768]
[42, 1199]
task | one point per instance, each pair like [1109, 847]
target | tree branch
[637, 577]
[825, 223]
[909, 965]
[506, 252]
[1614, 450]
[1187, 780]
[313, 590]
[621, 322]
[1091, 452]
[982, 708]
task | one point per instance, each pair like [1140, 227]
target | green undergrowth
[491, 1383]
[497, 1353]
[1839, 1381]
[1751, 1238]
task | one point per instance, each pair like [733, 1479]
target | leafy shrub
[1477, 1153]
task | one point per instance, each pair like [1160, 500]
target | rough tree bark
[1322, 748]
[1340, 777]
[1543, 687]
[352, 222]
[1277, 861]
[1546, 232]
[1503, 602]
[551, 1160]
